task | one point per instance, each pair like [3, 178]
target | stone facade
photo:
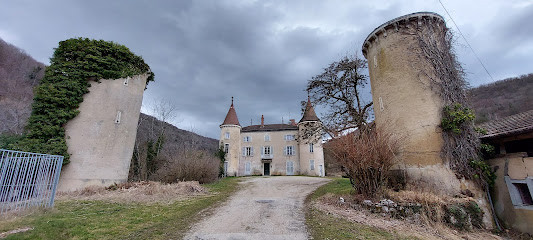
[101, 138]
[270, 149]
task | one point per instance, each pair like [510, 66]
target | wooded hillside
[502, 98]
[19, 73]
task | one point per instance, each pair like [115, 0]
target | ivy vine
[75, 63]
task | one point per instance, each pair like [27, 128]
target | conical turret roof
[309, 113]
[231, 117]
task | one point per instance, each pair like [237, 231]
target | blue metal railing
[27, 179]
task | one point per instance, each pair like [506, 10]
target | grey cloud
[260, 52]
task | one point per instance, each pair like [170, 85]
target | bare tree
[147, 151]
[338, 89]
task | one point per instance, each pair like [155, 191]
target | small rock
[341, 200]
[385, 209]
[368, 203]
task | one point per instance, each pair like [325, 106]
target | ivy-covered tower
[310, 143]
[230, 140]
[412, 79]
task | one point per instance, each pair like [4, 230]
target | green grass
[338, 186]
[105, 220]
[327, 226]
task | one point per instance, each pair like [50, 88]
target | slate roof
[269, 127]
[309, 114]
[231, 117]
[508, 126]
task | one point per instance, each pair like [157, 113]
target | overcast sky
[260, 52]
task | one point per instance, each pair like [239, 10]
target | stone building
[513, 190]
[272, 149]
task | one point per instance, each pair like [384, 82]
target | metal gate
[27, 179]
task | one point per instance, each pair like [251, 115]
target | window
[247, 168]
[247, 139]
[525, 195]
[289, 150]
[520, 191]
[312, 164]
[226, 147]
[267, 138]
[289, 137]
[267, 150]
[290, 168]
[226, 135]
[247, 151]
[311, 147]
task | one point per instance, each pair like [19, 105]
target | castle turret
[230, 132]
[310, 143]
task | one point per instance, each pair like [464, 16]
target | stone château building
[272, 149]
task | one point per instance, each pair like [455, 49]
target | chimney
[292, 122]
[262, 121]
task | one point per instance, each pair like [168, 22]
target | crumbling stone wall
[101, 138]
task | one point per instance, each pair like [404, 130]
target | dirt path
[266, 208]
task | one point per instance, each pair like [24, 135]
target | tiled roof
[269, 127]
[231, 117]
[309, 114]
[512, 125]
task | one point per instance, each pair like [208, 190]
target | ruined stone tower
[101, 138]
[404, 99]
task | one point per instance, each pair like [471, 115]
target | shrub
[366, 158]
[190, 165]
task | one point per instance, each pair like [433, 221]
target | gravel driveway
[265, 208]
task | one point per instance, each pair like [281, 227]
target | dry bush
[190, 165]
[366, 158]
[143, 192]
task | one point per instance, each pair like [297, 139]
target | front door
[266, 167]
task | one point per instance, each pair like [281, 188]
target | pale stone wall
[317, 155]
[515, 166]
[234, 147]
[406, 104]
[279, 160]
[101, 138]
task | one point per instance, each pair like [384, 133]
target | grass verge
[327, 226]
[106, 220]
